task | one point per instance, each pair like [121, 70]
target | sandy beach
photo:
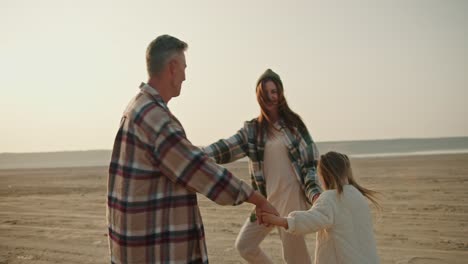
[58, 215]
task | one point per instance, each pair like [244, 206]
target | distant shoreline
[244, 160]
[355, 149]
[347, 142]
[416, 153]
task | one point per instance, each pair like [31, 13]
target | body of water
[356, 149]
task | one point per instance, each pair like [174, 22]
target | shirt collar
[154, 94]
[280, 124]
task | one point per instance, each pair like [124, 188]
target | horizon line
[331, 141]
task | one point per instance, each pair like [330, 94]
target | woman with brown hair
[282, 165]
[341, 216]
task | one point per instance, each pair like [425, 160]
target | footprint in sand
[422, 260]
[25, 257]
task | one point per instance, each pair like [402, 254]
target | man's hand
[274, 220]
[261, 205]
[265, 207]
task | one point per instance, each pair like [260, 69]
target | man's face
[178, 73]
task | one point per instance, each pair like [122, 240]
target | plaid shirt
[155, 172]
[302, 151]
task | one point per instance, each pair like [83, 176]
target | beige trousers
[252, 234]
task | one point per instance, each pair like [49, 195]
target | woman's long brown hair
[290, 118]
[335, 168]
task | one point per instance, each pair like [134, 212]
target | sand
[58, 215]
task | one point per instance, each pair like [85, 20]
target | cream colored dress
[286, 195]
[282, 186]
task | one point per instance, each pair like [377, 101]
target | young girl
[340, 216]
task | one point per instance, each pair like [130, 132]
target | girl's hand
[274, 220]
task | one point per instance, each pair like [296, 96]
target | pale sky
[352, 70]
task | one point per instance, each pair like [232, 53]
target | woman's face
[272, 97]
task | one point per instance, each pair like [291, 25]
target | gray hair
[160, 50]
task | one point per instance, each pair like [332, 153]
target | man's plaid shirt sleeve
[187, 165]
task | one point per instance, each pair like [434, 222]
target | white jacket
[344, 226]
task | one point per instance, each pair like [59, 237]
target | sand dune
[58, 215]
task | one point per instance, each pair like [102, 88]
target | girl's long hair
[335, 168]
[290, 118]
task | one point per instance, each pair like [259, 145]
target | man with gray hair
[155, 173]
